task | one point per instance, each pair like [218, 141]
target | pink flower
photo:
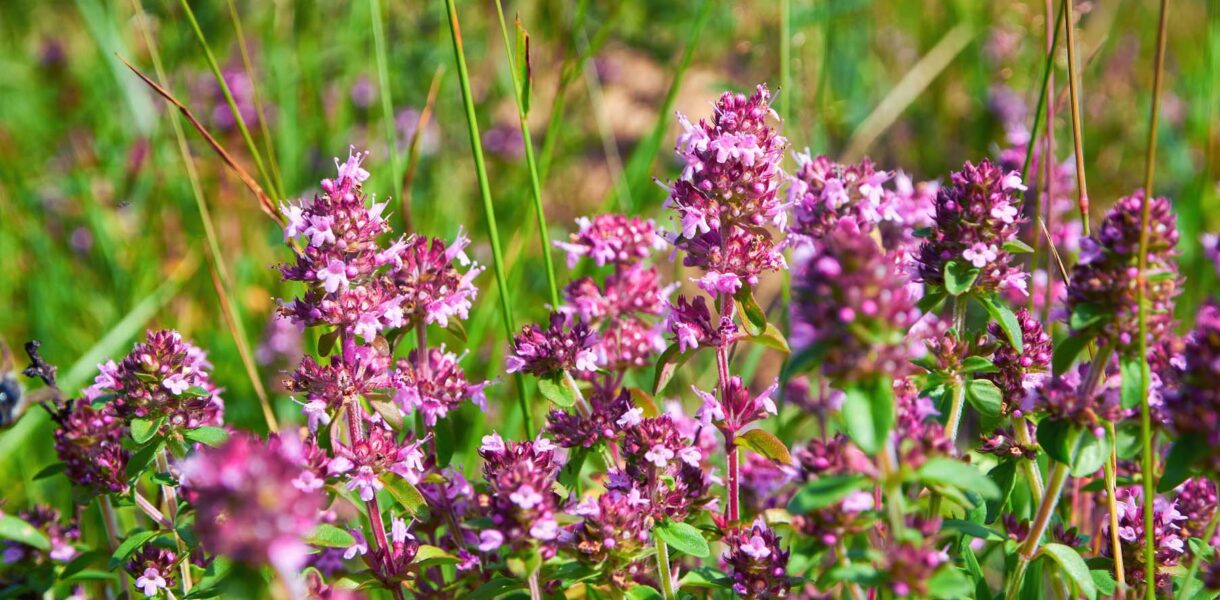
[490, 540]
[492, 442]
[659, 455]
[545, 530]
[979, 254]
[756, 548]
[151, 582]
[333, 276]
[526, 497]
[1005, 212]
[631, 418]
[718, 283]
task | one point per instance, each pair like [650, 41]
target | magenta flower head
[89, 441]
[611, 535]
[822, 192]
[163, 377]
[826, 458]
[521, 501]
[663, 471]
[430, 287]
[437, 388]
[1197, 500]
[737, 409]
[1167, 537]
[1102, 293]
[611, 413]
[362, 464]
[1020, 373]
[912, 563]
[1063, 399]
[856, 302]
[17, 559]
[692, 325]
[152, 567]
[1194, 407]
[612, 239]
[248, 500]
[622, 312]
[360, 370]
[756, 562]
[554, 350]
[976, 215]
[727, 193]
[917, 433]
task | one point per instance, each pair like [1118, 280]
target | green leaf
[1104, 582]
[50, 470]
[947, 471]
[13, 528]
[390, 412]
[1132, 391]
[431, 555]
[825, 491]
[1073, 566]
[755, 320]
[326, 343]
[1015, 246]
[197, 391]
[143, 430]
[1054, 437]
[667, 364]
[1007, 320]
[89, 575]
[404, 493]
[1085, 315]
[644, 400]
[923, 232]
[959, 277]
[771, 337]
[804, 359]
[569, 475]
[523, 66]
[130, 545]
[558, 391]
[329, 536]
[643, 592]
[765, 444]
[1067, 350]
[978, 364]
[211, 436]
[496, 588]
[984, 396]
[683, 538]
[868, 414]
[950, 582]
[1186, 450]
[457, 330]
[973, 529]
[1089, 453]
[1004, 475]
[81, 561]
[141, 459]
[932, 299]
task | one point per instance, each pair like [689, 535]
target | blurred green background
[101, 235]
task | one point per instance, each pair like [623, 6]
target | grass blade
[263, 124]
[493, 233]
[383, 85]
[520, 89]
[425, 115]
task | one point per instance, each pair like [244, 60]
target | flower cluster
[822, 192]
[1103, 291]
[661, 471]
[252, 500]
[520, 502]
[60, 534]
[854, 306]
[435, 385]
[552, 351]
[756, 562]
[89, 442]
[977, 214]
[164, 377]
[1020, 373]
[1169, 542]
[1194, 407]
[728, 193]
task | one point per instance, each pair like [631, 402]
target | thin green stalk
[215, 257]
[1046, 78]
[170, 495]
[1209, 532]
[1082, 191]
[383, 90]
[228, 94]
[959, 387]
[1146, 468]
[520, 88]
[263, 124]
[489, 212]
[111, 523]
[1058, 476]
[667, 580]
[1111, 468]
[785, 59]
[1036, 489]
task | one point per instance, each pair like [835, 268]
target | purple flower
[89, 441]
[975, 217]
[610, 536]
[521, 502]
[437, 388]
[22, 559]
[755, 562]
[1063, 400]
[246, 503]
[1020, 373]
[1167, 537]
[1194, 408]
[692, 326]
[153, 568]
[557, 349]
[162, 377]
[737, 408]
[822, 192]
[1103, 284]
[622, 314]
[657, 470]
[911, 563]
[431, 289]
[358, 371]
[612, 239]
[1196, 500]
[610, 413]
[856, 303]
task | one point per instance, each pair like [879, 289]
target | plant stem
[958, 387]
[1146, 468]
[663, 574]
[734, 478]
[535, 589]
[171, 508]
[1082, 192]
[1036, 489]
[489, 212]
[1046, 77]
[228, 94]
[383, 85]
[1208, 533]
[1111, 466]
[520, 87]
[255, 95]
[111, 523]
[152, 511]
[887, 463]
[1046, 508]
